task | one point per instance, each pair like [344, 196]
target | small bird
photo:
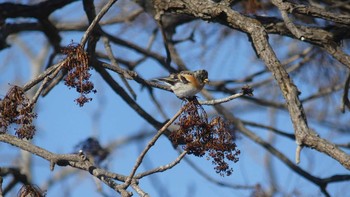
[186, 84]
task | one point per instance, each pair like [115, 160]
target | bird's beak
[206, 80]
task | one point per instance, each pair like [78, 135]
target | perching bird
[186, 84]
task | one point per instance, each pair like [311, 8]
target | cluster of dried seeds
[77, 64]
[15, 108]
[215, 139]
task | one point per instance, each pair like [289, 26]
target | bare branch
[222, 100]
[290, 25]
[162, 168]
[137, 188]
[115, 64]
[345, 98]
[95, 21]
[39, 78]
[149, 145]
[73, 160]
[213, 180]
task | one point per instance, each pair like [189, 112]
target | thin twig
[125, 96]
[149, 145]
[39, 78]
[222, 100]
[157, 57]
[211, 179]
[162, 168]
[273, 129]
[115, 63]
[323, 92]
[290, 25]
[305, 57]
[345, 98]
[157, 104]
[41, 88]
[165, 41]
[95, 21]
[133, 75]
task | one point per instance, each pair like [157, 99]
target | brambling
[186, 84]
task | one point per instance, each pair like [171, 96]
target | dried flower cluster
[30, 190]
[214, 139]
[16, 108]
[78, 75]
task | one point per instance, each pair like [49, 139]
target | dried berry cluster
[77, 64]
[16, 108]
[214, 139]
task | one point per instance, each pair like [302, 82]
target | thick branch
[40, 10]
